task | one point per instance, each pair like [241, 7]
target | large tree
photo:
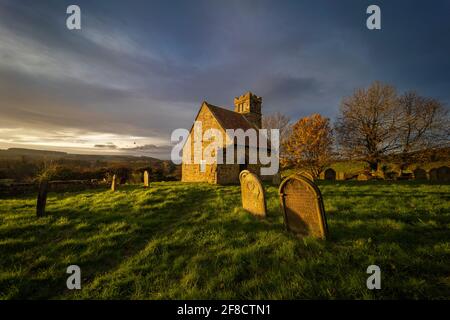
[309, 146]
[283, 123]
[423, 126]
[278, 121]
[367, 127]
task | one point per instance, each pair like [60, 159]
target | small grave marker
[113, 183]
[146, 179]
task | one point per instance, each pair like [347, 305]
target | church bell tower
[249, 105]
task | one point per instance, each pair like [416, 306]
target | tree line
[30, 169]
[373, 124]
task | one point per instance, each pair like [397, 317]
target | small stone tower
[249, 105]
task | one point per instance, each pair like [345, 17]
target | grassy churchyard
[193, 241]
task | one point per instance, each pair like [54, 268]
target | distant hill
[23, 165]
[17, 153]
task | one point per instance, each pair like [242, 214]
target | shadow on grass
[111, 236]
[193, 236]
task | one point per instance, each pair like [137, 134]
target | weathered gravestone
[420, 174]
[443, 174]
[302, 206]
[330, 174]
[252, 193]
[146, 184]
[42, 198]
[433, 174]
[113, 183]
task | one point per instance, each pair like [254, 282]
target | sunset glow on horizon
[134, 73]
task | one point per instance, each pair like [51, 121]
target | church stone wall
[191, 172]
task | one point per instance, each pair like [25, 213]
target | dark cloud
[142, 68]
[149, 148]
[110, 146]
[288, 88]
[161, 152]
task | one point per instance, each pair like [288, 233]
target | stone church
[246, 115]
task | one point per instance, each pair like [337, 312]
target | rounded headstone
[443, 174]
[303, 209]
[252, 193]
[330, 174]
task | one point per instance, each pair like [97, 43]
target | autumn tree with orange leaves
[310, 145]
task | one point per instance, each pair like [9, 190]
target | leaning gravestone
[146, 179]
[42, 198]
[113, 183]
[252, 193]
[302, 206]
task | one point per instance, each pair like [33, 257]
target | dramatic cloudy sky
[139, 69]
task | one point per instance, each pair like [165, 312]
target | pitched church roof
[229, 119]
[232, 120]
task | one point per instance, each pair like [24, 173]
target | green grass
[350, 167]
[193, 241]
